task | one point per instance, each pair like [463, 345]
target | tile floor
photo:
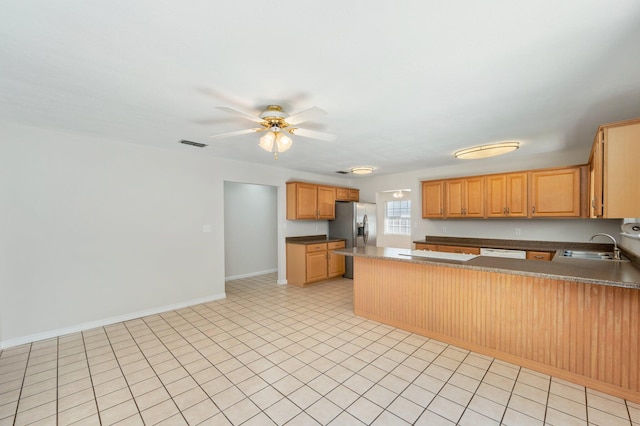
[271, 354]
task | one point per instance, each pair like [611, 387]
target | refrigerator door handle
[365, 222]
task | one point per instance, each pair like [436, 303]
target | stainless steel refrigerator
[356, 223]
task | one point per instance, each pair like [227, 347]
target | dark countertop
[603, 272]
[515, 244]
[312, 239]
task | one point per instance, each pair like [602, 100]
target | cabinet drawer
[431, 247]
[539, 255]
[459, 249]
[336, 245]
[316, 247]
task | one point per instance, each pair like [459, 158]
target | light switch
[206, 228]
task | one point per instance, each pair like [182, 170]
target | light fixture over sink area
[485, 151]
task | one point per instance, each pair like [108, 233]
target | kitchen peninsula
[575, 319]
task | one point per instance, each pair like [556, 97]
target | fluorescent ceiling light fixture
[275, 141]
[484, 151]
[362, 170]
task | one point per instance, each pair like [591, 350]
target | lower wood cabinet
[311, 263]
[539, 255]
[448, 249]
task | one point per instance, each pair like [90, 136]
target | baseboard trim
[4, 344]
[252, 274]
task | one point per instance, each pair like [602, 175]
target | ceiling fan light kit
[277, 124]
[362, 170]
[485, 151]
[275, 141]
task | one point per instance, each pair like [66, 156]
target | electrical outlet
[518, 231]
[444, 229]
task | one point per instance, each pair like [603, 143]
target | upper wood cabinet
[614, 172]
[560, 192]
[464, 197]
[310, 201]
[557, 192]
[347, 194]
[507, 195]
[326, 202]
[433, 199]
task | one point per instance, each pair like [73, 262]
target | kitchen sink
[592, 255]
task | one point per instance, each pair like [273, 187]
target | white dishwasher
[513, 254]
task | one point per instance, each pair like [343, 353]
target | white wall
[94, 231]
[250, 229]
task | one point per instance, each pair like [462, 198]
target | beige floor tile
[77, 413]
[270, 341]
[428, 418]
[282, 411]
[516, 418]
[487, 407]
[559, 418]
[241, 411]
[200, 412]
[447, 409]
[471, 418]
[118, 412]
[151, 398]
[159, 412]
[34, 414]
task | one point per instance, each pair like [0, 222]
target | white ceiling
[404, 83]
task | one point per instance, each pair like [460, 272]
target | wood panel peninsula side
[573, 329]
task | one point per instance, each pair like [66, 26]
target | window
[397, 217]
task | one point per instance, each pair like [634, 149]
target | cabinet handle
[508, 211]
[441, 212]
[504, 210]
[538, 256]
[533, 210]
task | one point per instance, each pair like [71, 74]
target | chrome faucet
[616, 250]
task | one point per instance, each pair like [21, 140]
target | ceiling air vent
[342, 172]
[198, 144]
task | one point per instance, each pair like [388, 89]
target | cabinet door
[326, 202]
[474, 197]
[621, 184]
[516, 191]
[454, 188]
[496, 196]
[555, 193]
[316, 266]
[342, 194]
[354, 195]
[302, 201]
[433, 199]
[596, 176]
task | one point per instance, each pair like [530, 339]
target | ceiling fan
[277, 125]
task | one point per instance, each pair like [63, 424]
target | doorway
[250, 230]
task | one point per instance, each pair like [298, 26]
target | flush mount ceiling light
[362, 170]
[485, 151]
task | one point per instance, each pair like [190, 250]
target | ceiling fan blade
[305, 115]
[312, 134]
[245, 114]
[236, 133]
